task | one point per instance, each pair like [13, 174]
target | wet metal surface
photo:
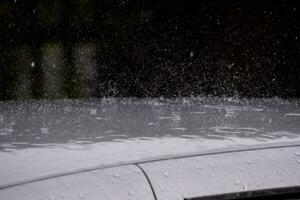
[32, 123]
[121, 183]
[225, 173]
[40, 138]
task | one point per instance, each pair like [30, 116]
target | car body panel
[227, 172]
[50, 138]
[116, 183]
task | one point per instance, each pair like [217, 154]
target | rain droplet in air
[130, 192]
[32, 64]
[241, 169]
[137, 171]
[166, 174]
[68, 187]
[44, 130]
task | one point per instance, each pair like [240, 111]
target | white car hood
[42, 138]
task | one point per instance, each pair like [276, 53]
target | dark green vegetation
[149, 48]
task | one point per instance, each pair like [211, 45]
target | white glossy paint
[31, 163]
[46, 138]
[118, 183]
[224, 173]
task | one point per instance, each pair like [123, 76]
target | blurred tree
[149, 48]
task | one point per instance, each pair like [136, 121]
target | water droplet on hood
[161, 187]
[199, 167]
[6, 131]
[191, 54]
[130, 192]
[166, 174]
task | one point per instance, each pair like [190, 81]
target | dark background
[149, 48]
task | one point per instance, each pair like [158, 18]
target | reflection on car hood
[40, 138]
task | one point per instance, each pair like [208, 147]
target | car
[151, 149]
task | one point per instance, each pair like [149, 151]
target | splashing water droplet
[82, 195]
[6, 131]
[279, 172]
[117, 175]
[161, 187]
[44, 130]
[93, 112]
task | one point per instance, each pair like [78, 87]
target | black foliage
[150, 48]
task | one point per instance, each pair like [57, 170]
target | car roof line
[239, 148]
